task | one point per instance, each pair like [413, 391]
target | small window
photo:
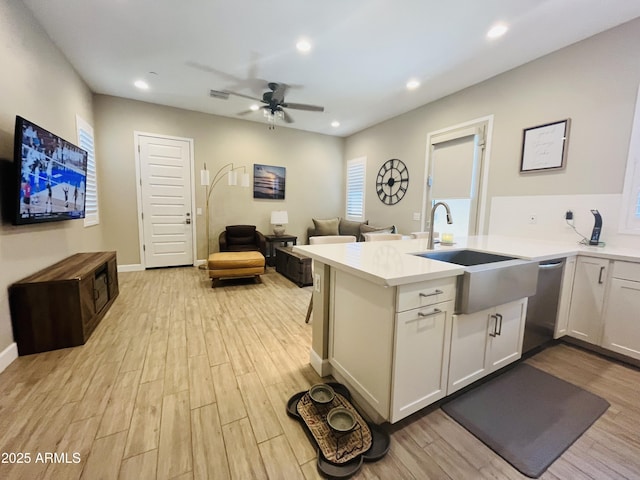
[85, 141]
[630, 211]
[356, 172]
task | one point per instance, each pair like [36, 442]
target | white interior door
[166, 200]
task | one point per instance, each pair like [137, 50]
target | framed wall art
[269, 181]
[545, 147]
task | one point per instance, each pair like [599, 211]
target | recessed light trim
[497, 30]
[413, 84]
[141, 84]
[335, 124]
[303, 45]
[254, 108]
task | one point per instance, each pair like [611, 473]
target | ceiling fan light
[335, 124]
[254, 108]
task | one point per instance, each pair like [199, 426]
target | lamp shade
[279, 217]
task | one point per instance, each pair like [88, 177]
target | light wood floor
[184, 381]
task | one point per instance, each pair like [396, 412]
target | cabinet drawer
[626, 271]
[423, 294]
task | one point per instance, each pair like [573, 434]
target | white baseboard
[321, 366]
[130, 268]
[8, 355]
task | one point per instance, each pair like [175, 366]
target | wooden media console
[61, 305]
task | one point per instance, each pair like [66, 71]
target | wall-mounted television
[51, 176]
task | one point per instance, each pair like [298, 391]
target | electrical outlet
[416, 216]
[198, 211]
[533, 219]
[316, 282]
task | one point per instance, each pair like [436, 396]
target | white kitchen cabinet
[587, 299]
[396, 361]
[484, 342]
[622, 311]
[422, 341]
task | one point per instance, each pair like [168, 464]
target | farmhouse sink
[489, 279]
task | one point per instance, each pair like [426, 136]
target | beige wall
[593, 82]
[314, 163]
[39, 84]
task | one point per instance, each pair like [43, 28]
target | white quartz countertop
[393, 263]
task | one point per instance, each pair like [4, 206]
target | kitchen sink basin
[488, 279]
[466, 258]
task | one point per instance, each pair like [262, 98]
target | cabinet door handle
[436, 311]
[499, 329]
[495, 326]
[600, 276]
[437, 292]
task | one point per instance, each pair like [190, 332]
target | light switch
[198, 211]
[316, 282]
[416, 216]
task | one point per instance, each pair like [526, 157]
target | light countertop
[392, 263]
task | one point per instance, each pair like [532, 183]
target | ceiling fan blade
[278, 92]
[303, 106]
[244, 96]
[246, 112]
[287, 118]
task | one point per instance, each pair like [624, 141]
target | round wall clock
[392, 181]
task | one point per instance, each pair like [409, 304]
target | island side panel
[319, 355]
[361, 337]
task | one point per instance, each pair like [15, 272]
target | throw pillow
[327, 226]
[370, 228]
[348, 227]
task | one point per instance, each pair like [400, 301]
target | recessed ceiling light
[141, 84]
[335, 124]
[497, 30]
[254, 108]
[303, 46]
[413, 84]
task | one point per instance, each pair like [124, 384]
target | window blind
[85, 141]
[356, 170]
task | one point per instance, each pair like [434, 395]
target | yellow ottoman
[235, 264]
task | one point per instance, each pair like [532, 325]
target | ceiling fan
[274, 103]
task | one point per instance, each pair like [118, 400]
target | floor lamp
[231, 173]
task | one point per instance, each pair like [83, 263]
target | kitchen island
[384, 321]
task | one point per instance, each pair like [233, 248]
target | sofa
[341, 226]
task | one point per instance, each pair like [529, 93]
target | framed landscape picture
[269, 181]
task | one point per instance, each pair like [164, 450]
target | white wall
[39, 84]
[593, 82]
[510, 216]
[314, 168]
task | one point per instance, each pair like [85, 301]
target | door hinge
[142, 215]
[144, 248]
[138, 148]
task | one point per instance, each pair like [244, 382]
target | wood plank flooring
[182, 381]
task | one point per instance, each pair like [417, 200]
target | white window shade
[453, 168]
[85, 141]
[356, 173]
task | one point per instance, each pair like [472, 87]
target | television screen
[51, 174]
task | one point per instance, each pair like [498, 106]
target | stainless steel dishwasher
[542, 308]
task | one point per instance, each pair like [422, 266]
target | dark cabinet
[60, 306]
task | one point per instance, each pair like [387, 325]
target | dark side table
[272, 240]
